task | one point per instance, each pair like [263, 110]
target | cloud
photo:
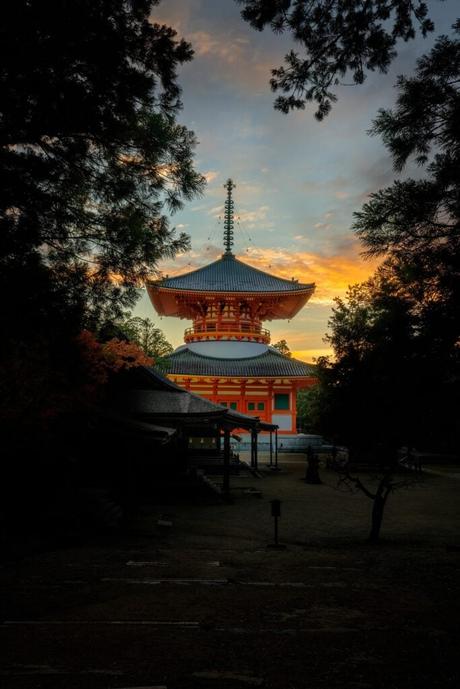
[331, 274]
[232, 56]
[253, 218]
[211, 175]
[335, 185]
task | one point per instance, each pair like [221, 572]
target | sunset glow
[298, 181]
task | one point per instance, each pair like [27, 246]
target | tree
[150, 339]
[92, 159]
[337, 37]
[370, 391]
[388, 481]
[306, 409]
[415, 224]
[283, 348]
[101, 360]
[396, 376]
[420, 216]
[91, 154]
[372, 397]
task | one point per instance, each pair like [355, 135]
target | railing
[216, 331]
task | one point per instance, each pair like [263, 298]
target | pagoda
[227, 357]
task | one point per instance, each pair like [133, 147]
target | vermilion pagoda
[227, 357]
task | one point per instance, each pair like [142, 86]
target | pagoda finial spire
[228, 217]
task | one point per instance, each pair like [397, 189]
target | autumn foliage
[100, 360]
[38, 386]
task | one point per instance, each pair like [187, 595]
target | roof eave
[300, 289]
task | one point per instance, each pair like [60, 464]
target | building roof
[152, 397]
[271, 364]
[228, 274]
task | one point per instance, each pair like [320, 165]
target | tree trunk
[380, 499]
[377, 518]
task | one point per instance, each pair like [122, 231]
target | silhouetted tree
[389, 479]
[283, 347]
[337, 38]
[91, 154]
[395, 338]
[369, 393]
[91, 161]
[416, 223]
[373, 396]
[150, 339]
[396, 375]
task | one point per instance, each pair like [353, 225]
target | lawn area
[204, 604]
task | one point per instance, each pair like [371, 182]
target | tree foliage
[416, 223]
[420, 216]
[306, 404]
[91, 154]
[283, 347]
[92, 161]
[396, 377]
[150, 339]
[370, 389]
[337, 38]
[100, 360]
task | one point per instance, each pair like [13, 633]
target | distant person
[312, 473]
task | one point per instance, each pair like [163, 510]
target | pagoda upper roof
[270, 364]
[229, 274]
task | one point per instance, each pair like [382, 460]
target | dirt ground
[199, 601]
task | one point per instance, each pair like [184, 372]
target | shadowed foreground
[203, 603]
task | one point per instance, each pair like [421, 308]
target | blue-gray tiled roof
[228, 274]
[271, 364]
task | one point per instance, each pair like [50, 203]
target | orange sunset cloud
[331, 274]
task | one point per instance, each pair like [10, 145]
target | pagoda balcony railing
[218, 331]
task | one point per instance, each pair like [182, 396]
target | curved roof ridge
[268, 364]
[258, 270]
[230, 274]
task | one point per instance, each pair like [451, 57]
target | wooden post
[256, 463]
[271, 449]
[226, 482]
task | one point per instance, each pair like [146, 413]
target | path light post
[276, 514]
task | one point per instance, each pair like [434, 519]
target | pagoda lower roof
[228, 274]
[270, 364]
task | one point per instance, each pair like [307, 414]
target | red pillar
[294, 405]
[270, 402]
[243, 396]
[215, 390]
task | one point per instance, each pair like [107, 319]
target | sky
[298, 181]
